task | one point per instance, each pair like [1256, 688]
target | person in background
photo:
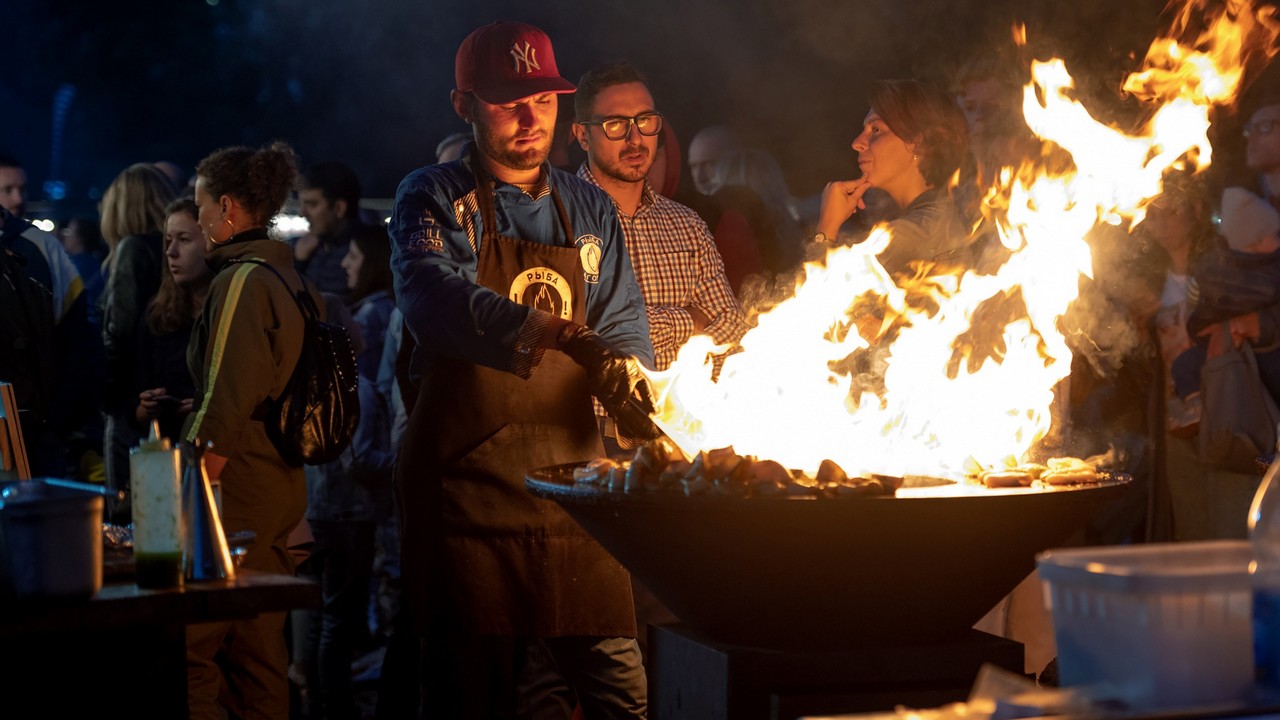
[243, 350]
[64, 439]
[67, 442]
[368, 268]
[706, 148]
[330, 196]
[345, 498]
[1262, 146]
[517, 291]
[47, 262]
[735, 213]
[674, 255]
[1232, 285]
[82, 239]
[397, 676]
[165, 390]
[779, 234]
[912, 141]
[133, 222]
[1177, 231]
[13, 186]
[450, 148]
[989, 93]
[730, 226]
[180, 180]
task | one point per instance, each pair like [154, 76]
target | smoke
[1099, 325]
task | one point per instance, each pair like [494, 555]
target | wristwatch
[821, 238]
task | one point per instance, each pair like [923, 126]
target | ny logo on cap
[528, 56]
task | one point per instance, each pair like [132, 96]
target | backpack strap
[306, 304]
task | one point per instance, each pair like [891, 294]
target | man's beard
[627, 173]
[494, 148]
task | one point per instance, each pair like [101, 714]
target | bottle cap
[155, 442]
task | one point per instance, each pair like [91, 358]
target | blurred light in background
[289, 225]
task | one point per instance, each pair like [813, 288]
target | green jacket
[243, 349]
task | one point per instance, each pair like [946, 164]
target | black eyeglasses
[1262, 127]
[617, 128]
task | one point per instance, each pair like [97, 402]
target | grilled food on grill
[1069, 471]
[657, 467]
[1056, 471]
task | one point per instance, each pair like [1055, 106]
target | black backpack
[26, 341]
[312, 421]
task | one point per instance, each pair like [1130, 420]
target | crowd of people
[498, 317]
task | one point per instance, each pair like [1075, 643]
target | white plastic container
[155, 472]
[1154, 626]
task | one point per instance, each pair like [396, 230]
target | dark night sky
[368, 82]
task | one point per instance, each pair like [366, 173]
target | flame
[968, 361]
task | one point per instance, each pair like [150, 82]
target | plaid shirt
[678, 266]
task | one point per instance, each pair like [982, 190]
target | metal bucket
[50, 541]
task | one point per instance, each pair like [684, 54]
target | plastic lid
[1153, 567]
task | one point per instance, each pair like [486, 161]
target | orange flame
[798, 392]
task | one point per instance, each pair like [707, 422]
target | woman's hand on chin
[840, 200]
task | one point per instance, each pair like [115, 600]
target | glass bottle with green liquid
[155, 478]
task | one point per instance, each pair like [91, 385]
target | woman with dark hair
[368, 266]
[165, 389]
[244, 347]
[912, 142]
[347, 497]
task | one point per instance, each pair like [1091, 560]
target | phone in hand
[168, 403]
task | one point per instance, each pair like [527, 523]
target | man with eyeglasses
[1262, 148]
[503, 267]
[680, 271]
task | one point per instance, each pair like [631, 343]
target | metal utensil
[85, 487]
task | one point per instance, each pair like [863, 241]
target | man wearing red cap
[517, 290]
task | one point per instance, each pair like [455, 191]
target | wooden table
[122, 653]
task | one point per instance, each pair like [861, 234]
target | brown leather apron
[477, 547]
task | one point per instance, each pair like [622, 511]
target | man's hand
[305, 246]
[613, 378]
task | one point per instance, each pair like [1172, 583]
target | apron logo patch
[589, 253]
[543, 289]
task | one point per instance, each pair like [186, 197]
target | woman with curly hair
[243, 350]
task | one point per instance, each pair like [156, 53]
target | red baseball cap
[507, 61]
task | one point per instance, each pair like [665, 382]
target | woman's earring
[224, 241]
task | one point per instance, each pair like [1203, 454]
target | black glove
[614, 379]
